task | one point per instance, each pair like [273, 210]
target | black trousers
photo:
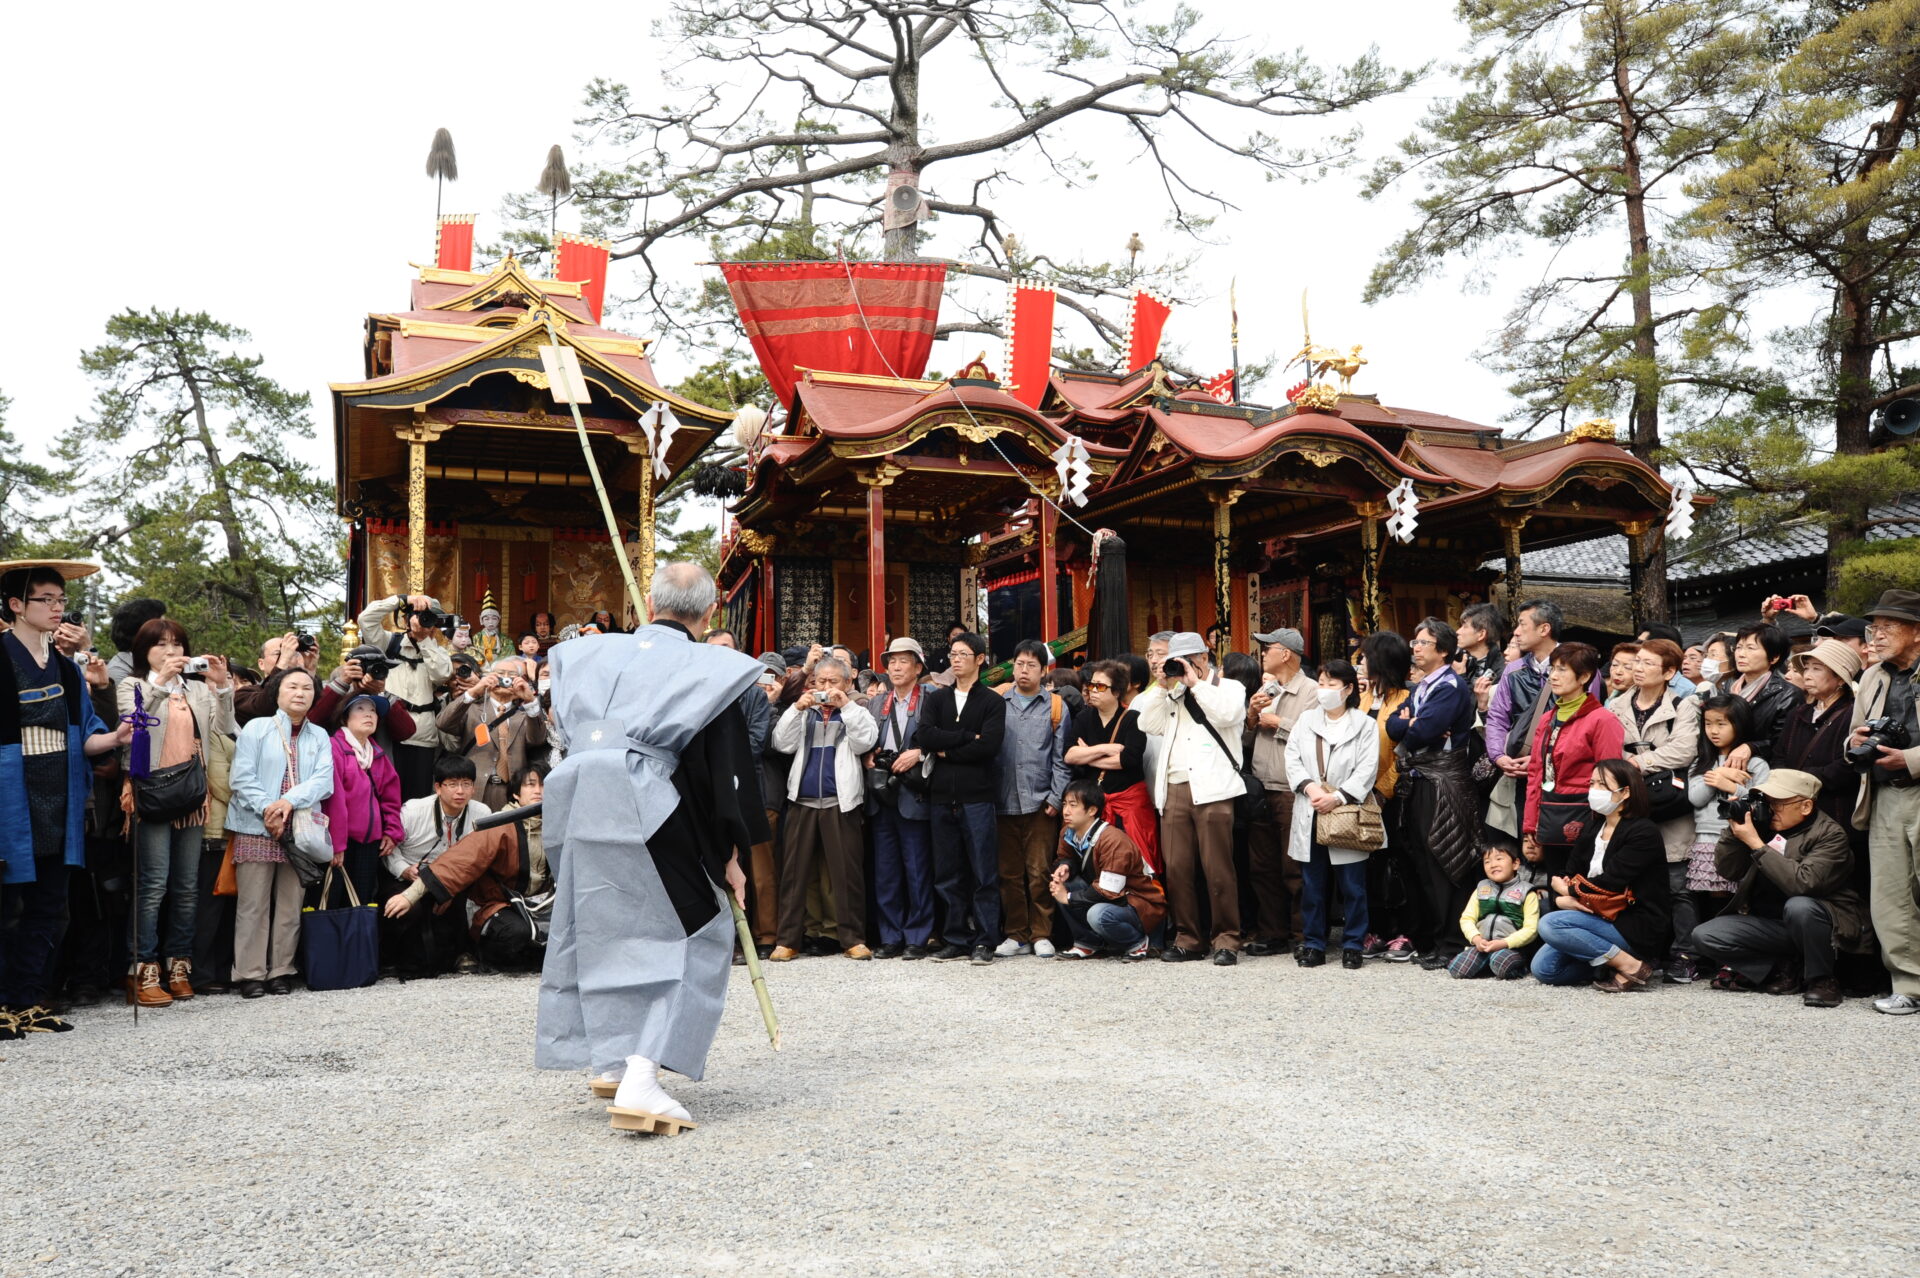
[1752, 946]
[415, 766]
[1437, 899]
[33, 920]
[421, 942]
[212, 922]
[507, 943]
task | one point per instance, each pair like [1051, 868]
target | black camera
[1174, 668]
[882, 780]
[1752, 807]
[305, 643]
[445, 623]
[1884, 731]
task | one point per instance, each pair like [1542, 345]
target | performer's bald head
[682, 591]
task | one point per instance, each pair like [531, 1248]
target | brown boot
[151, 992]
[180, 978]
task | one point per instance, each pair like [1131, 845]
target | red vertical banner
[1029, 340]
[583, 261]
[876, 576]
[453, 242]
[1146, 319]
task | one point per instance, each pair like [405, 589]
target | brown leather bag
[1605, 904]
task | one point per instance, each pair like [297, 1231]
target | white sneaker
[641, 1090]
[1897, 1004]
[1043, 948]
[1010, 947]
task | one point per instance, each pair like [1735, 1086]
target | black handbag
[167, 794]
[1562, 819]
[1666, 794]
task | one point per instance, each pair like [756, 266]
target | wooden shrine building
[459, 474]
[887, 504]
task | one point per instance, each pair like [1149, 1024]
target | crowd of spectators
[1489, 801]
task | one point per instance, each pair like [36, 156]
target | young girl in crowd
[1726, 724]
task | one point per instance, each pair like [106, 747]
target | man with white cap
[1794, 906]
[1195, 788]
[902, 821]
[1286, 693]
[1888, 809]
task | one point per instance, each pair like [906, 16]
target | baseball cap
[1787, 783]
[1840, 626]
[1286, 636]
[1186, 644]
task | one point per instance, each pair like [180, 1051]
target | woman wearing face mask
[1620, 851]
[1574, 734]
[1333, 756]
[1716, 661]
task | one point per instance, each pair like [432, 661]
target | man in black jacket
[962, 726]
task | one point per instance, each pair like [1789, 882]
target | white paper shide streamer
[1405, 505]
[1071, 464]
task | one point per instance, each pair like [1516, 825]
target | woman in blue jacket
[281, 765]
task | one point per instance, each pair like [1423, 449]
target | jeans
[168, 866]
[1575, 943]
[966, 845]
[902, 877]
[1104, 925]
[1318, 879]
[1750, 946]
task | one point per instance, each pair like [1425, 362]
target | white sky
[264, 163]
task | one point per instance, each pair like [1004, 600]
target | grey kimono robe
[658, 789]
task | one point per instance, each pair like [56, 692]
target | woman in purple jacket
[364, 810]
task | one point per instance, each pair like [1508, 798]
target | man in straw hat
[1888, 808]
[48, 731]
[654, 807]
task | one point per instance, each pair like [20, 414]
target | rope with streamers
[139, 765]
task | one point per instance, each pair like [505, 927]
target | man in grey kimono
[653, 807]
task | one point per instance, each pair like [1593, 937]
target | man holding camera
[1793, 907]
[422, 666]
[496, 724]
[1199, 779]
[1888, 809]
[826, 732]
[363, 674]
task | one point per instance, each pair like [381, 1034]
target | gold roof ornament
[1317, 398]
[1603, 429]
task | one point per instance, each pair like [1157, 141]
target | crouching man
[1794, 907]
[499, 876]
[1110, 898]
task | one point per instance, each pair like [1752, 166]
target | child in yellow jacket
[1502, 916]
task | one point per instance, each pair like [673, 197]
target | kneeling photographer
[1792, 908]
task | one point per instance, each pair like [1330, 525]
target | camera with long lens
[1884, 731]
[1174, 668]
[429, 619]
[1751, 807]
[882, 780]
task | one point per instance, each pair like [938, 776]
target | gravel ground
[1031, 1118]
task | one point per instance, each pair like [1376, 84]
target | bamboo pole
[633, 593]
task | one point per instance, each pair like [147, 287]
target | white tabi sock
[641, 1090]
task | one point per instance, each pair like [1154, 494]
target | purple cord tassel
[138, 765]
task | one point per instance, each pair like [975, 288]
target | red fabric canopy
[583, 261]
[842, 317]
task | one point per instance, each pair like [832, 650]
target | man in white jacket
[422, 665]
[827, 732]
[1195, 788]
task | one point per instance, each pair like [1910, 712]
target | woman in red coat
[364, 809]
[1577, 733]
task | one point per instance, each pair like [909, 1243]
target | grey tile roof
[1605, 558]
